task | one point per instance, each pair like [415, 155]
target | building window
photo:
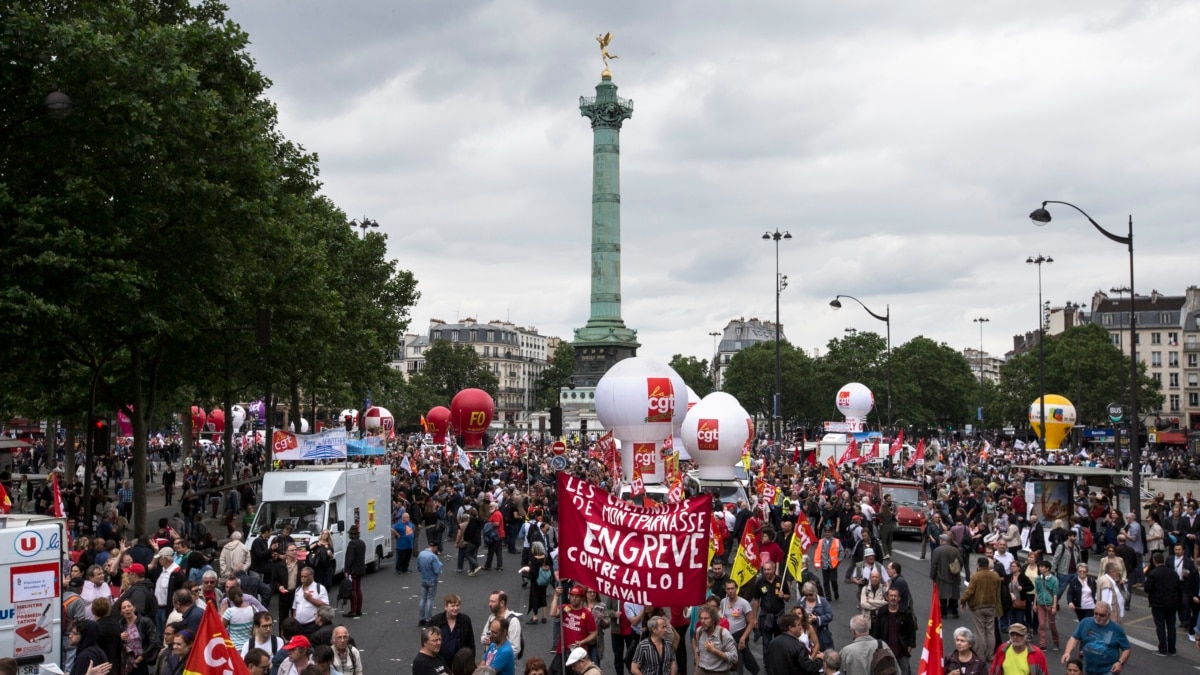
[1155, 359]
[1157, 378]
[1173, 380]
[1164, 317]
[1174, 398]
[454, 336]
[1173, 359]
[437, 335]
[473, 337]
[1193, 361]
[1191, 341]
[1194, 400]
[1156, 338]
[1116, 338]
[1193, 380]
[1173, 339]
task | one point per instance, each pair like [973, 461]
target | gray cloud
[902, 144]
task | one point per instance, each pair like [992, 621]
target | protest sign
[650, 556]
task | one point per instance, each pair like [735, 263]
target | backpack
[883, 661]
[955, 566]
[1088, 542]
[520, 649]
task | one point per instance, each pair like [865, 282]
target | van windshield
[304, 517]
[905, 495]
[726, 494]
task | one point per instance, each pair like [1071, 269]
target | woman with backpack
[541, 576]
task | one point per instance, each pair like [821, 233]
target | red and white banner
[650, 556]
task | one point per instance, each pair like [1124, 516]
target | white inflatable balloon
[239, 417]
[714, 432]
[642, 402]
[854, 401]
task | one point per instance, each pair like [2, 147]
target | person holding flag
[5, 502]
[212, 652]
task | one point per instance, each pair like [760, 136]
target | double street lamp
[780, 284]
[1040, 260]
[979, 415]
[836, 303]
[714, 335]
[364, 225]
[1040, 217]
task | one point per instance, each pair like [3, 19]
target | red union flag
[660, 400]
[213, 652]
[708, 434]
[282, 441]
[643, 455]
[650, 556]
[932, 653]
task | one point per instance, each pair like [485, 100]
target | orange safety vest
[834, 552]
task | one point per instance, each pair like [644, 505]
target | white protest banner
[651, 556]
[329, 444]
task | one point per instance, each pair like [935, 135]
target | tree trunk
[295, 413]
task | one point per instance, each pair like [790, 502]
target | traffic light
[98, 428]
[583, 428]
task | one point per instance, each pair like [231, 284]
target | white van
[333, 497]
[724, 491]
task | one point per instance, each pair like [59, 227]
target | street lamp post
[1041, 216]
[780, 284]
[714, 335]
[836, 303]
[979, 415]
[364, 225]
[1039, 261]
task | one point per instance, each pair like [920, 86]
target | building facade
[739, 334]
[1167, 341]
[516, 355]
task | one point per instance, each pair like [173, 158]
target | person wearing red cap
[140, 591]
[578, 624]
[299, 655]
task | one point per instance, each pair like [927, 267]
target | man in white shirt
[1001, 558]
[309, 596]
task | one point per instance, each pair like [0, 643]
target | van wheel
[374, 567]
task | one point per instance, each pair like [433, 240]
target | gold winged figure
[604, 41]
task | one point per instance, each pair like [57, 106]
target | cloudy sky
[903, 145]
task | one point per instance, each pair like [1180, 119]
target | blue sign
[1098, 433]
[558, 462]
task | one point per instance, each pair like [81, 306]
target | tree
[860, 357]
[932, 383]
[555, 376]
[1082, 360]
[450, 368]
[695, 373]
[750, 379]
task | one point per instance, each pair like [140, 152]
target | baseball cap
[576, 655]
[166, 552]
[1018, 628]
[299, 641]
[137, 568]
[578, 590]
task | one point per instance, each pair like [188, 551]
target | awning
[9, 443]
[1172, 438]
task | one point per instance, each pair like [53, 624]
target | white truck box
[31, 568]
[334, 497]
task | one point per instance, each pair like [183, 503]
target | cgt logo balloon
[708, 436]
[660, 400]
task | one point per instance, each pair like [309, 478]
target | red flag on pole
[213, 652]
[851, 454]
[932, 656]
[919, 452]
[874, 450]
[897, 445]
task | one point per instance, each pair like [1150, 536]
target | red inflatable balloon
[439, 419]
[199, 417]
[471, 412]
[217, 418]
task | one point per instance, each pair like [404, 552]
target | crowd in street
[140, 599]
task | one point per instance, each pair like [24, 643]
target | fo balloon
[471, 412]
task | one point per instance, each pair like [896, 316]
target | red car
[908, 501]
